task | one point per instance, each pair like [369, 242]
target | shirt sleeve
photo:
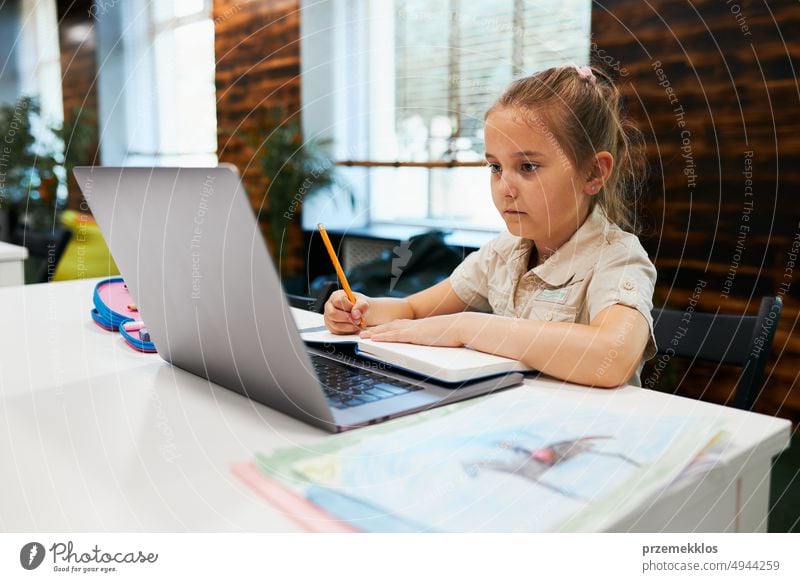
[624, 275]
[470, 279]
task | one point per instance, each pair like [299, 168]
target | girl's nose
[508, 188]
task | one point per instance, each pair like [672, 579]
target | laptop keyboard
[346, 386]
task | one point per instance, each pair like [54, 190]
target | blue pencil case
[114, 310]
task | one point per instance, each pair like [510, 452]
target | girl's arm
[605, 353]
[342, 316]
[437, 300]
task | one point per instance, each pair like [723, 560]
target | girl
[566, 290]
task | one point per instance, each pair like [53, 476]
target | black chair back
[744, 341]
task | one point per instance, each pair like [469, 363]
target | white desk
[97, 437]
[12, 264]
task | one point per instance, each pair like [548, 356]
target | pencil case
[114, 310]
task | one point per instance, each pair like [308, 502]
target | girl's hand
[440, 330]
[344, 317]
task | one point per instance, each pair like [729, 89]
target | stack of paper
[514, 461]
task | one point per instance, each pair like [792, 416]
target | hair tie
[585, 73]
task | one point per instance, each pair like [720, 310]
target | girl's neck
[540, 252]
[535, 258]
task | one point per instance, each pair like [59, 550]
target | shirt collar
[574, 256]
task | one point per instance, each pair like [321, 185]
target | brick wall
[257, 66]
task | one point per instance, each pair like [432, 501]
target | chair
[45, 249]
[315, 304]
[745, 341]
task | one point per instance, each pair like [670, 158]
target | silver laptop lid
[177, 236]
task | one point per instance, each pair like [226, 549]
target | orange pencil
[338, 267]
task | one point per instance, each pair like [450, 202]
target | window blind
[454, 57]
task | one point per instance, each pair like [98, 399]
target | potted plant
[294, 169]
[29, 168]
[35, 161]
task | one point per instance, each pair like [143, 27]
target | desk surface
[97, 437]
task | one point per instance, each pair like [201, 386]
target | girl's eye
[494, 168]
[529, 167]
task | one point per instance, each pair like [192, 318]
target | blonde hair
[582, 109]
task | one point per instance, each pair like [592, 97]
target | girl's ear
[602, 165]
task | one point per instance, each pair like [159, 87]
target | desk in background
[364, 244]
[12, 264]
[97, 437]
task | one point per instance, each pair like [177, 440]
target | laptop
[189, 247]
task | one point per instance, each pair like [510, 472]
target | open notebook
[444, 364]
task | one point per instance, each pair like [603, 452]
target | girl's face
[535, 188]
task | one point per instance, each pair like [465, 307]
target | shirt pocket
[556, 304]
[548, 311]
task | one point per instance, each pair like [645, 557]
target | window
[183, 43]
[40, 59]
[158, 102]
[416, 76]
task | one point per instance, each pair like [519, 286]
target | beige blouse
[601, 265]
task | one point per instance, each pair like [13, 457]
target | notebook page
[312, 328]
[446, 363]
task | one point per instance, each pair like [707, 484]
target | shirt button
[549, 316]
[627, 284]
